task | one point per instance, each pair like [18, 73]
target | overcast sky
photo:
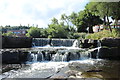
[16, 12]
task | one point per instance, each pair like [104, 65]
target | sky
[37, 12]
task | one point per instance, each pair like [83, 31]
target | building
[98, 28]
[116, 26]
[19, 33]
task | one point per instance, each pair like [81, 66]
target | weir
[67, 54]
[52, 42]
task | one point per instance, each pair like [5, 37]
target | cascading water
[75, 43]
[52, 42]
[99, 46]
[40, 57]
[85, 55]
[35, 57]
[41, 41]
[62, 55]
[58, 57]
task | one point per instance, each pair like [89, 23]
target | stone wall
[16, 42]
[88, 43]
[110, 42]
[13, 56]
[109, 48]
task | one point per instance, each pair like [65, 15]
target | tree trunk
[109, 24]
[104, 20]
[108, 19]
[90, 29]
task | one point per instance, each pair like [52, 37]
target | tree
[115, 11]
[34, 32]
[67, 20]
[85, 19]
[57, 30]
[44, 33]
[105, 10]
[54, 21]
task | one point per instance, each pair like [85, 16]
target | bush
[79, 35]
[105, 33]
[9, 34]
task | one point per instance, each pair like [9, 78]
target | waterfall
[62, 42]
[75, 43]
[41, 41]
[40, 56]
[65, 56]
[58, 57]
[90, 55]
[52, 42]
[99, 46]
[84, 55]
[47, 56]
[35, 56]
[33, 45]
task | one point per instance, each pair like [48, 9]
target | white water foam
[37, 70]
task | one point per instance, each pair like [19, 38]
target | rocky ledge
[13, 56]
[110, 42]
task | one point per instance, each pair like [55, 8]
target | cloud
[16, 12]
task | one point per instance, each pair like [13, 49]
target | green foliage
[35, 32]
[86, 20]
[8, 34]
[57, 31]
[105, 33]
[79, 35]
[105, 10]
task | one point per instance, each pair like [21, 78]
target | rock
[71, 73]
[7, 67]
[81, 66]
[12, 56]
[88, 43]
[93, 54]
[110, 42]
[109, 53]
[73, 56]
[23, 56]
[72, 76]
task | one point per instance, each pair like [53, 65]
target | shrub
[9, 34]
[105, 33]
[79, 35]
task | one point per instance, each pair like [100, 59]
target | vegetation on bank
[8, 34]
[105, 33]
